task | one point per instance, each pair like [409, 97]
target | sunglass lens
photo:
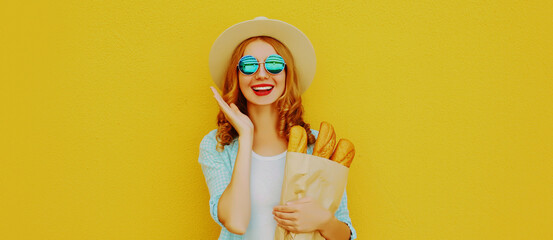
[248, 65]
[274, 64]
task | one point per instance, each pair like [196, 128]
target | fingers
[222, 102]
[285, 215]
[286, 209]
[216, 94]
[234, 107]
[224, 106]
[214, 91]
[286, 224]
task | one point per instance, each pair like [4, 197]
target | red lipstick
[262, 89]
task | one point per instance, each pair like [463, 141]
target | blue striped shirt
[217, 168]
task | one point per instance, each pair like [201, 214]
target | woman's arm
[335, 229]
[234, 205]
[307, 215]
[342, 214]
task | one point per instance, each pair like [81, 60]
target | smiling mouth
[264, 88]
[262, 91]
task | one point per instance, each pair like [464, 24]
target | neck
[264, 119]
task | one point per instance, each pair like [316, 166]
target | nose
[262, 72]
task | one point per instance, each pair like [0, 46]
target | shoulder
[209, 141]
[314, 132]
[311, 146]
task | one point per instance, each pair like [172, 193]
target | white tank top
[266, 178]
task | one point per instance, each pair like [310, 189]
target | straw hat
[299, 45]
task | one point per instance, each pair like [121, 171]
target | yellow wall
[449, 104]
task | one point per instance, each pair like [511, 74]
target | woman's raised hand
[239, 121]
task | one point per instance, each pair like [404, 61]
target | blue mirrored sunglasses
[274, 64]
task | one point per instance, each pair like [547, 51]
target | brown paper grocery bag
[317, 177]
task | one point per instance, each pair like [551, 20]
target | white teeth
[262, 88]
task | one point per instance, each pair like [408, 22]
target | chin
[261, 101]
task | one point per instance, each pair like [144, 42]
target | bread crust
[297, 142]
[344, 153]
[324, 146]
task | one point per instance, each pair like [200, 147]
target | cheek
[281, 77]
[242, 83]
[282, 80]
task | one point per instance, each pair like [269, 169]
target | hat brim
[297, 42]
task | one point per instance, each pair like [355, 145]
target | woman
[243, 160]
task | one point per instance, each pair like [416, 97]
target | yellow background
[449, 104]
